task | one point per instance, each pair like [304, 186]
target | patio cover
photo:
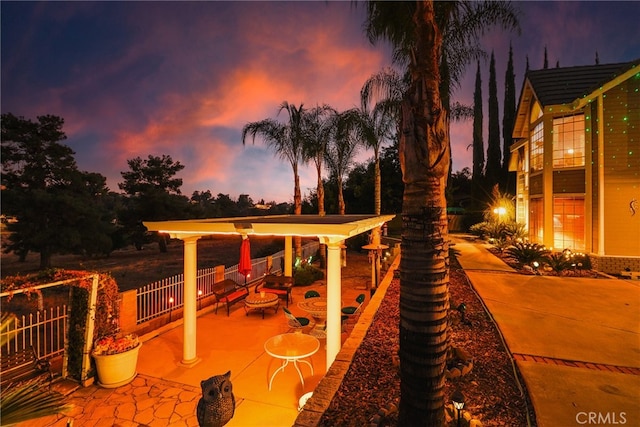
[331, 230]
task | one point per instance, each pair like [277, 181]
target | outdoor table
[291, 348]
[261, 301]
[317, 308]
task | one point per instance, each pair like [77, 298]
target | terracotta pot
[115, 370]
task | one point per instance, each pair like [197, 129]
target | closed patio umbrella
[244, 266]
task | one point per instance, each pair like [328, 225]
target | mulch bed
[370, 392]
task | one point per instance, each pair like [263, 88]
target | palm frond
[26, 401]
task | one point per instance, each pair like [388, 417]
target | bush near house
[525, 253]
[496, 230]
[557, 261]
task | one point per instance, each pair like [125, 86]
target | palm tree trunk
[341, 205]
[377, 232]
[320, 191]
[424, 265]
[297, 208]
[378, 186]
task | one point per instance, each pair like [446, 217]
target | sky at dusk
[182, 78]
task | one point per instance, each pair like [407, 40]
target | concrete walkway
[576, 341]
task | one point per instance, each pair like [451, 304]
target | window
[568, 141]
[522, 186]
[568, 223]
[536, 220]
[537, 148]
[521, 194]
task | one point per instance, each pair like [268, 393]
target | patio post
[334, 297]
[189, 357]
[288, 256]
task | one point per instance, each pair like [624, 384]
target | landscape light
[458, 402]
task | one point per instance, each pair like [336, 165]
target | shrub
[558, 262]
[477, 229]
[526, 253]
[515, 230]
[577, 261]
[306, 275]
[501, 244]
[581, 261]
[488, 229]
[509, 231]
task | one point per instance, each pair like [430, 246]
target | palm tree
[287, 142]
[341, 150]
[461, 22]
[418, 32]
[317, 128]
[371, 127]
[385, 91]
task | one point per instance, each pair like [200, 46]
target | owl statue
[217, 404]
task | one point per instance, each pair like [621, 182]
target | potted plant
[116, 359]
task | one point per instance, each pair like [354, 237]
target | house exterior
[576, 156]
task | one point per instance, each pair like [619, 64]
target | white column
[288, 256]
[334, 298]
[601, 182]
[190, 298]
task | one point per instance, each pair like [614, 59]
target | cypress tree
[478, 143]
[546, 61]
[508, 119]
[493, 144]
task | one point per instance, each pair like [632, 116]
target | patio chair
[351, 310]
[295, 322]
[311, 294]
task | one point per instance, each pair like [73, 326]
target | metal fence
[44, 330]
[164, 296]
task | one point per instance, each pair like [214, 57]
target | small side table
[291, 348]
[261, 301]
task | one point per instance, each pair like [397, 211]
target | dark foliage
[59, 209]
[306, 274]
[526, 253]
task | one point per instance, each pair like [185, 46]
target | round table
[316, 307]
[291, 348]
[260, 301]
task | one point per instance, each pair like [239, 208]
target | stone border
[322, 396]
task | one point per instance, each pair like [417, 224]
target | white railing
[44, 330]
[164, 296]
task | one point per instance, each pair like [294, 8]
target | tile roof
[554, 86]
